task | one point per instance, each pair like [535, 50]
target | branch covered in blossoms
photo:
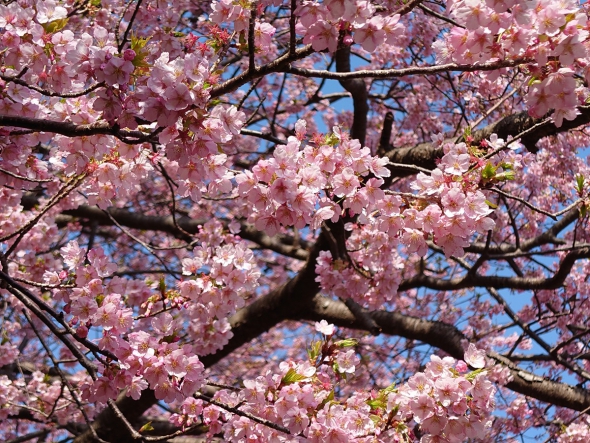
[185, 189]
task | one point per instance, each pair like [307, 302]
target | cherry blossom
[294, 221]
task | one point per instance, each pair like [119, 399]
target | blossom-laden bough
[188, 186]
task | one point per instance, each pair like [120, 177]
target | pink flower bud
[461, 367]
[82, 331]
[128, 54]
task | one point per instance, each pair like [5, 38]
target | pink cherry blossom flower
[347, 361]
[345, 183]
[324, 327]
[475, 357]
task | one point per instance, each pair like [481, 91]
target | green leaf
[147, 427]
[377, 403]
[292, 377]
[491, 205]
[389, 389]
[375, 419]
[533, 80]
[55, 25]
[315, 350]
[346, 343]
[169, 338]
[508, 175]
[580, 184]
[489, 171]
[326, 400]
[332, 139]
[471, 376]
[138, 45]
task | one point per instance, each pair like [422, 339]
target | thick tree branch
[478, 281]
[425, 155]
[279, 243]
[358, 91]
[273, 308]
[385, 137]
[107, 425]
[450, 340]
[407, 8]
[72, 130]
[277, 65]
[547, 237]
[413, 70]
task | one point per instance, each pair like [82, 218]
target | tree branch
[450, 340]
[358, 91]
[72, 130]
[413, 70]
[279, 243]
[424, 155]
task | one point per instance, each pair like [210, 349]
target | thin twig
[236, 411]
[64, 379]
[440, 16]
[63, 192]
[292, 36]
[251, 38]
[413, 70]
[21, 177]
[122, 44]
[534, 208]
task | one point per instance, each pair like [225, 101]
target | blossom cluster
[445, 401]
[298, 187]
[160, 87]
[549, 36]
[42, 395]
[440, 397]
[322, 23]
[575, 432]
[160, 347]
[447, 209]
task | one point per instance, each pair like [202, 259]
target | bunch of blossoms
[116, 175]
[41, 397]
[222, 271]
[321, 24]
[448, 406]
[301, 399]
[227, 11]
[148, 82]
[447, 209]
[549, 36]
[201, 166]
[578, 432]
[11, 393]
[303, 187]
